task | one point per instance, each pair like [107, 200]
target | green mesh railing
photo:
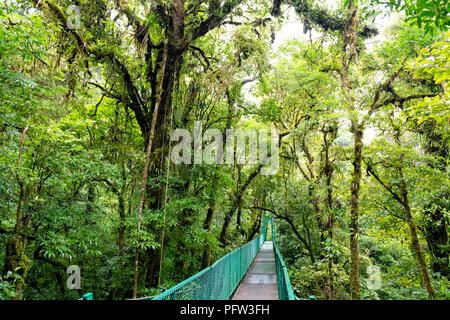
[219, 281]
[285, 291]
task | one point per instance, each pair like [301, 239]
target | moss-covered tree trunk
[354, 212]
[415, 244]
[16, 260]
[328, 171]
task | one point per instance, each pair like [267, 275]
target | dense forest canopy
[91, 91]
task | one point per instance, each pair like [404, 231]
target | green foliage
[75, 112]
[7, 285]
[433, 64]
[431, 15]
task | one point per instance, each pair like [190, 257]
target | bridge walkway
[260, 282]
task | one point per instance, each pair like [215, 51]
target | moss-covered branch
[314, 16]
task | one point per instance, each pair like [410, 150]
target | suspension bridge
[255, 271]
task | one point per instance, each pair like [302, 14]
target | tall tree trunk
[306, 243]
[321, 225]
[181, 264]
[403, 199]
[328, 172]
[207, 225]
[15, 259]
[349, 54]
[17, 262]
[354, 212]
[145, 172]
[255, 229]
[236, 203]
[121, 229]
[415, 244]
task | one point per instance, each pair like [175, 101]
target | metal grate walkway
[260, 282]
